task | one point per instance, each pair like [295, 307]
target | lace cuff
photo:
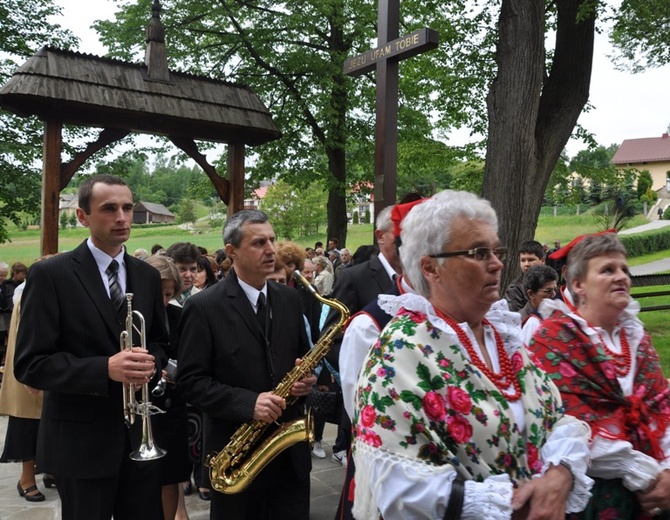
[491, 499]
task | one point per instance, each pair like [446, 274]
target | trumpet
[131, 407]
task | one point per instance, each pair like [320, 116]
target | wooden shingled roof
[87, 90]
[65, 87]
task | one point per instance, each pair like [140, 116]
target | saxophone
[232, 469]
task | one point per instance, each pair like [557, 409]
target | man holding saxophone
[73, 316]
[240, 339]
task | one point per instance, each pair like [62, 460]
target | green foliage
[187, 212]
[63, 220]
[468, 176]
[640, 34]
[295, 212]
[644, 183]
[355, 217]
[366, 218]
[639, 244]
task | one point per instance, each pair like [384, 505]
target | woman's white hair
[426, 230]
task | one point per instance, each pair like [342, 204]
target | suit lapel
[380, 275]
[88, 274]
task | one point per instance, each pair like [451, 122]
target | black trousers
[278, 493]
[133, 494]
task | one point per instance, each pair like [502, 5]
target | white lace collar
[507, 323]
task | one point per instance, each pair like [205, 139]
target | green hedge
[644, 243]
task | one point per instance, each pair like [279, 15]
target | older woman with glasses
[452, 419]
[609, 374]
[539, 282]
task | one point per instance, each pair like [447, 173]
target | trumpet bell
[147, 452]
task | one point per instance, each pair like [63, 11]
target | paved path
[327, 479]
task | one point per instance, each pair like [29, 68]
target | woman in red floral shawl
[609, 375]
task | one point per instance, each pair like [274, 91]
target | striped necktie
[115, 293]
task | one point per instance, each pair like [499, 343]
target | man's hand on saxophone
[269, 407]
[304, 386]
[131, 367]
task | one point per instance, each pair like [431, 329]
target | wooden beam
[51, 173]
[221, 184]
[236, 154]
[106, 137]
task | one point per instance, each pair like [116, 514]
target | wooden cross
[384, 58]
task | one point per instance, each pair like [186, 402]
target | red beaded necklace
[502, 379]
[622, 362]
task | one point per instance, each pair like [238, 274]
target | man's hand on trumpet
[134, 366]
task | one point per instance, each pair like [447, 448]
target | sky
[625, 105]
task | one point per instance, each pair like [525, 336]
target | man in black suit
[68, 345]
[355, 287]
[239, 338]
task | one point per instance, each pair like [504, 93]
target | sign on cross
[384, 59]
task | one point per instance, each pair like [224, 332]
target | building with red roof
[649, 153]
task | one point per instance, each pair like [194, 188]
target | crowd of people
[460, 399]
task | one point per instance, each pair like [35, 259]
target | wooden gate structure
[64, 87]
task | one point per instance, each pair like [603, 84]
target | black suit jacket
[224, 361]
[68, 331]
[355, 287]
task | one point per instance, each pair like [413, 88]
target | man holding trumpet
[73, 315]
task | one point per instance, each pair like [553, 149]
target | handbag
[326, 406]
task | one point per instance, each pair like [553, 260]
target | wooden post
[53, 142]
[236, 177]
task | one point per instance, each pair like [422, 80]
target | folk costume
[614, 383]
[427, 413]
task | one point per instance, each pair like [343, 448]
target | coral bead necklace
[503, 379]
[622, 362]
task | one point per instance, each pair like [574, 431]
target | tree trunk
[337, 200]
[532, 116]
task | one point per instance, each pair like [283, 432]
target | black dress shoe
[49, 481]
[37, 497]
[205, 495]
[188, 489]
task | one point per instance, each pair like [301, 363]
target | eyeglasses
[549, 291]
[481, 254]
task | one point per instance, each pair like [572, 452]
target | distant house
[68, 204]
[257, 196]
[649, 153]
[150, 213]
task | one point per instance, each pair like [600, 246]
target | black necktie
[115, 293]
[261, 311]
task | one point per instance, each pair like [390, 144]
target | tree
[644, 183]
[27, 27]
[292, 53]
[295, 212]
[187, 212]
[63, 220]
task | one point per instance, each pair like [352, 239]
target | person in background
[539, 282]
[23, 405]
[6, 292]
[323, 280]
[452, 417]
[205, 276]
[599, 355]
[140, 254]
[72, 316]
[185, 256]
[17, 274]
[364, 253]
[172, 426]
[530, 253]
[157, 249]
